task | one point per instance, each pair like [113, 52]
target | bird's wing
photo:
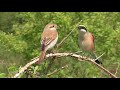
[93, 37]
[48, 37]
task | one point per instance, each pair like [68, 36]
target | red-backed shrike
[48, 39]
[86, 41]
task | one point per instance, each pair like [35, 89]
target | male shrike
[48, 39]
[86, 41]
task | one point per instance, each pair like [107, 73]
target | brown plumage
[48, 39]
[86, 41]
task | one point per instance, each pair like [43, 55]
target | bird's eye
[52, 26]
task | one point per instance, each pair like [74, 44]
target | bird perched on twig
[86, 41]
[48, 39]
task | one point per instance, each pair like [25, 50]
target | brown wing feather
[93, 37]
[48, 37]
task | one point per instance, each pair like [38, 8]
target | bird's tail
[41, 57]
[42, 54]
[97, 61]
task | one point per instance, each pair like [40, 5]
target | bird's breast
[87, 45]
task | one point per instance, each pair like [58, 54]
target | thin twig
[58, 45]
[99, 57]
[117, 68]
[64, 39]
[55, 71]
[78, 52]
[62, 55]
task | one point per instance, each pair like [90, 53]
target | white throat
[83, 30]
[52, 28]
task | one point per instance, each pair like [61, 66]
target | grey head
[82, 28]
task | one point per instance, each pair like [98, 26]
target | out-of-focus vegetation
[20, 34]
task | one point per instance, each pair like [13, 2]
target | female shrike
[48, 39]
[86, 41]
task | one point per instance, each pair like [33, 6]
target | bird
[86, 42]
[49, 38]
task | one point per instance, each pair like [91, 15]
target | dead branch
[63, 55]
[34, 60]
[117, 69]
[64, 39]
[58, 45]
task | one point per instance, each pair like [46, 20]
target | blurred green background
[20, 35]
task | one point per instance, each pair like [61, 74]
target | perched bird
[48, 39]
[86, 41]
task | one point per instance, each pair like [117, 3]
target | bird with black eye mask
[86, 42]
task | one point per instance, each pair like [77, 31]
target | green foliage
[20, 35]
[7, 19]
[2, 75]
[11, 51]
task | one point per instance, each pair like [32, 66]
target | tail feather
[97, 61]
[41, 57]
[42, 54]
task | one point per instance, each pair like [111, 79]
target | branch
[99, 57]
[64, 39]
[34, 60]
[117, 69]
[63, 55]
[68, 35]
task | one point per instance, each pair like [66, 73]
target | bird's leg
[49, 51]
[55, 57]
[82, 54]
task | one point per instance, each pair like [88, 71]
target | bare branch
[26, 67]
[102, 68]
[99, 57]
[64, 39]
[63, 55]
[68, 35]
[117, 68]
